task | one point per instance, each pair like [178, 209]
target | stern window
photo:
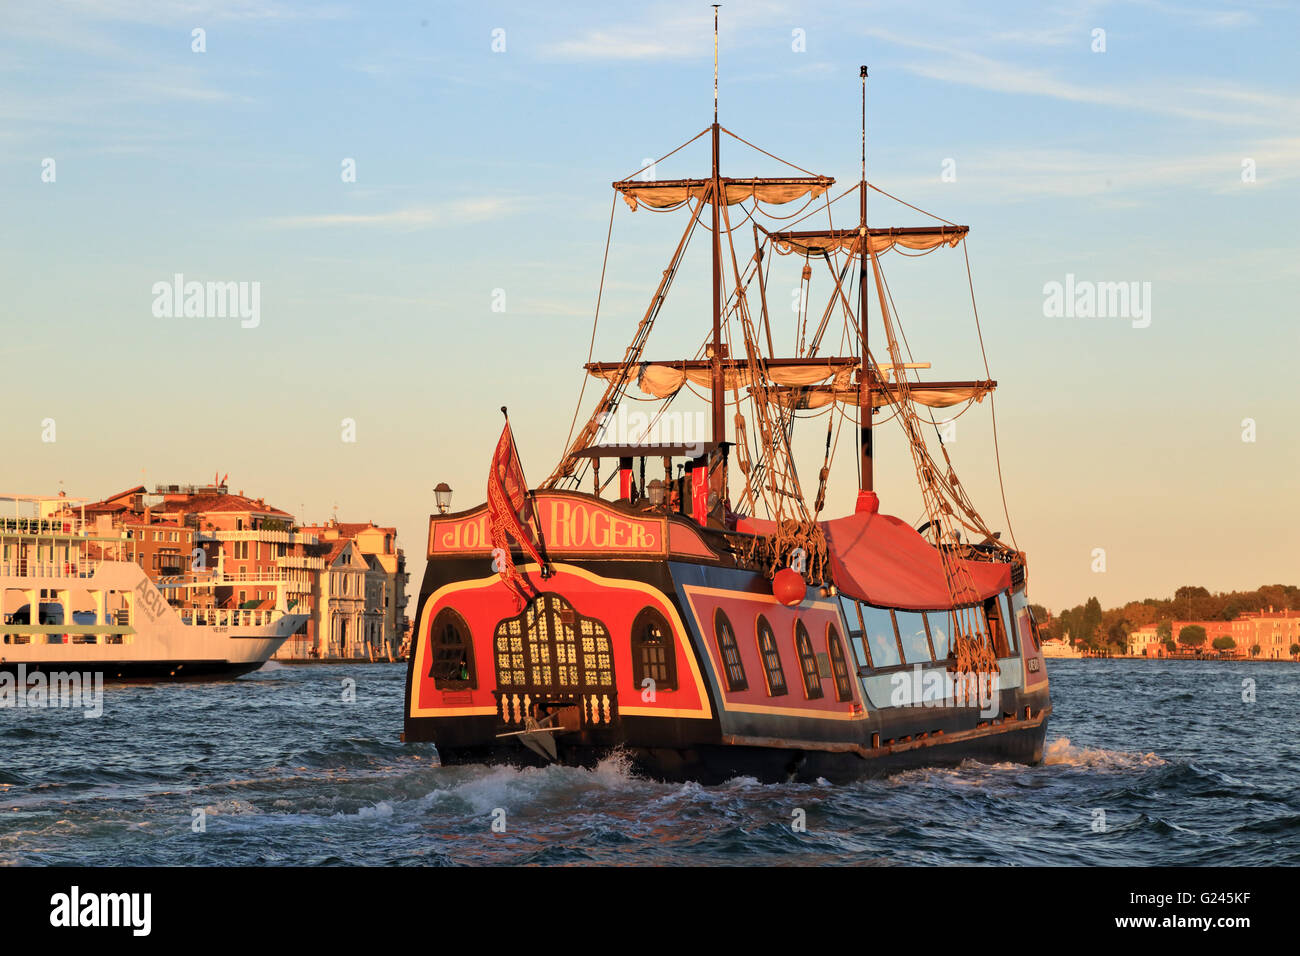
[731, 663]
[453, 652]
[812, 678]
[653, 655]
[839, 666]
[767, 650]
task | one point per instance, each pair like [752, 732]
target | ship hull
[139, 671]
[716, 763]
[809, 703]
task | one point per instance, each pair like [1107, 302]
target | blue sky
[479, 170]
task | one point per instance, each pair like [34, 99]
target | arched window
[767, 650]
[812, 678]
[839, 666]
[730, 652]
[453, 652]
[653, 655]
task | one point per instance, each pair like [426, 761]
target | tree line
[1107, 631]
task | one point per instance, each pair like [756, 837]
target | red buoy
[788, 587]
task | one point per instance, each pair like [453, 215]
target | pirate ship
[712, 622]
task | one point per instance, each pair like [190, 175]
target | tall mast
[719, 398]
[867, 500]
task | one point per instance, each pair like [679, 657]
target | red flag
[506, 498]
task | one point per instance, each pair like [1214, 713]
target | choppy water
[286, 772]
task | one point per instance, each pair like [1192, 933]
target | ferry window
[880, 637]
[453, 652]
[940, 629]
[997, 634]
[771, 656]
[812, 678]
[853, 617]
[731, 663]
[911, 633]
[839, 666]
[1008, 616]
[653, 654]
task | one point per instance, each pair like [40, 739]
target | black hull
[712, 764]
[126, 672]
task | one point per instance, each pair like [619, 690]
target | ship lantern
[788, 587]
[656, 492]
[443, 493]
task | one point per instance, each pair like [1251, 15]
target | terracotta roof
[336, 550]
[207, 504]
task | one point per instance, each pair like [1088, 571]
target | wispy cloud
[456, 212]
[959, 65]
[1009, 175]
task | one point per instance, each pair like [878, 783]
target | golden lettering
[600, 538]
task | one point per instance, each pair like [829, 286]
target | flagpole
[528, 495]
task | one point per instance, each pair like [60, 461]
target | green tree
[1295, 650]
[1165, 631]
[1254, 650]
[1224, 643]
[1193, 635]
[1090, 622]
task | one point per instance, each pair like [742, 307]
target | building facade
[1272, 632]
[206, 547]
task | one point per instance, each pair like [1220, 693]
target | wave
[1061, 752]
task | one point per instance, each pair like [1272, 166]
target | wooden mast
[715, 464]
[719, 396]
[867, 499]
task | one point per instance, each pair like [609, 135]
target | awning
[881, 560]
[660, 194]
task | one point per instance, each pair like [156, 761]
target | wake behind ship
[662, 617]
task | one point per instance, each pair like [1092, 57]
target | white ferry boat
[72, 600]
[1061, 647]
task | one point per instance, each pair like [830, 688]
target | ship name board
[568, 525]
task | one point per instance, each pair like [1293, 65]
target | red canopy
[880, 559]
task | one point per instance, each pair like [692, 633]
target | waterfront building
[206, 547]
[1146, 642]
[1272, 631]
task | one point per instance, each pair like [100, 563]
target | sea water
[1147, 762]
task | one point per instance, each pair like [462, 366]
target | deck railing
[228, 617]
[23, 568]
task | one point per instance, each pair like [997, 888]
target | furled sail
[881, 239]
[661, 194]
[930, 394]
[662, 379]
